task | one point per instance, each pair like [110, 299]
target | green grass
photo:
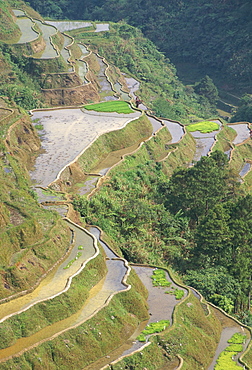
[234, 348]
[179, 293]
[159, 279]
[39, 127]
[110, 106]
[204, 126]
[154, 327]
[237, 338]
[225, 360]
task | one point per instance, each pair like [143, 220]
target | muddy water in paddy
[66, 134]
[161, 305]
[118, 88]
[64, 26]
[156, 124]
[204, 143]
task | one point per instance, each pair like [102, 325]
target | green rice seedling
[225, 361]
[154, 327]
[204, 126]
[159, 279]
[234, 347]
[179, 293]
[72, 261]
[141, 338]
[237, 338]
[110, 106]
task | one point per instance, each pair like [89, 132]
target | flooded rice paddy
[47, 32]
[102, 27]
[245, 169]
[242, 132]
[176, 130]
[67, 133]
[64, 26]
[27, 32]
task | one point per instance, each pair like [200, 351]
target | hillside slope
[129, 206]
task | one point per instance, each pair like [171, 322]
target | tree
[223, 302]
[197, 189]
[244, 112]
[213, 238]
[213, 280]
[207, 88]
[241, 225]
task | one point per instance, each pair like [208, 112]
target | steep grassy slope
[27, 231]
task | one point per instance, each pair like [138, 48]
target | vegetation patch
[159, 279]
[154, 327]
[237, 338]
[204, 127]
[39, 126]
[225, 360]
[179, 293]
[234, 348]
[110, 106]
[72, 261]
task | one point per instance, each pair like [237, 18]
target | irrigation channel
[66, 134]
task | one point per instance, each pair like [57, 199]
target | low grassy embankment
[181, 155]
[225, 138]
[104, 332]
[240, 153]
[248, 357]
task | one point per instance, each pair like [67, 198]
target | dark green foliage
[197, 189]
[18, 85]
[129, 212]
[207, 88]
[244, 111]
[213, 280]
[212, 238]
[223, 302]
[215, 35]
